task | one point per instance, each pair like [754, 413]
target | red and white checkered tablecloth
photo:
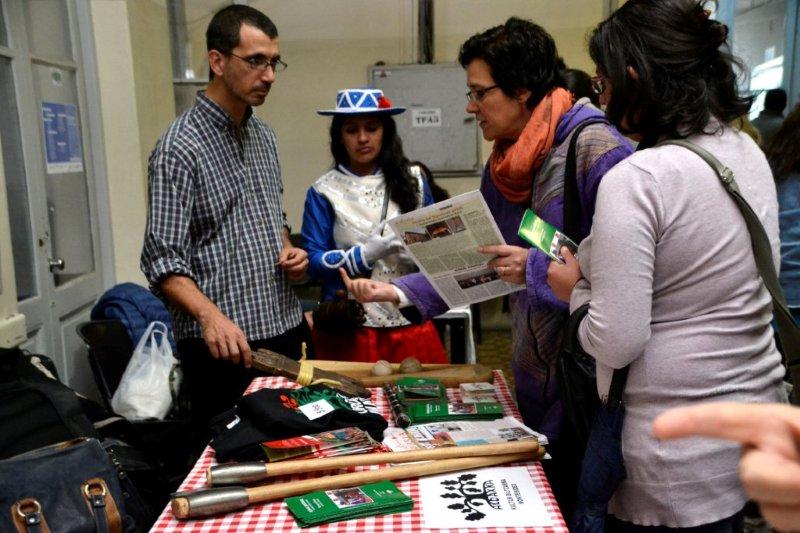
[275, 516]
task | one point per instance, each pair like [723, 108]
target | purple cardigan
[536, 309]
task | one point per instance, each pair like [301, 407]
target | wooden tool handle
[284, 490]
[450, 377]
[245, 473]
[530, 448]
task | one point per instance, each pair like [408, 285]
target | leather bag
[69, 487]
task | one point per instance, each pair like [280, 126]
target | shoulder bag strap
[788, 331]
[572, 228]
[572, 210]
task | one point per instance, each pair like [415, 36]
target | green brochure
[346, 504]
[424, 412]
[544, 236]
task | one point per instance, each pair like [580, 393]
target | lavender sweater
[674, 292]
[537, 316]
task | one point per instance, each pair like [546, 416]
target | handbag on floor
[70, 487]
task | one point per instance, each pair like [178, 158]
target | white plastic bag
[146, 387]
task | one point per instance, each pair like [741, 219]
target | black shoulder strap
[788, 331]
[572, 210]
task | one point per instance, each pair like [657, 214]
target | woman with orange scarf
[518, 96]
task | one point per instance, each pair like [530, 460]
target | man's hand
[770, 464]
[562, 278]
[510, 263]
[366, 290]
[224, 338]
[294, 261]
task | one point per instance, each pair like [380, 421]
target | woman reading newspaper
[669, 269]
[344, 227]
[518, 97]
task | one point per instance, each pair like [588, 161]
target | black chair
[110, 348]
[174, 442]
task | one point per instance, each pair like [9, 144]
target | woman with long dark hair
[783, 153]
[668, 269]
[344, 227]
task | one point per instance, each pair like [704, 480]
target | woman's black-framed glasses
[263, 63]
[598, 85]
[476, 95]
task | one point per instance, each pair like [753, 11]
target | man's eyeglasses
[476, 95]
[263, 63]
[598, 85]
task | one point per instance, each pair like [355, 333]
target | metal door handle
[55, 264]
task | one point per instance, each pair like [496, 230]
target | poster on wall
[62, 138]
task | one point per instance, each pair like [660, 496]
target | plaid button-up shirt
[216, 215]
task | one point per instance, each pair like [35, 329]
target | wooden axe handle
[530, 447]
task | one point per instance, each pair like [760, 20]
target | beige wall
[12, 324]
[328, 45]
[152, 72]
[135, 80]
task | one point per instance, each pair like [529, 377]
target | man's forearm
[184, 293]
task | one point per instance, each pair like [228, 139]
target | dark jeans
[214, 385]
[732, 524]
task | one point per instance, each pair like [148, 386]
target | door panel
[49, 174]
[47, 22]
[68, 208]
[16, 186]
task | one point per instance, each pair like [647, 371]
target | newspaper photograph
[443, 239]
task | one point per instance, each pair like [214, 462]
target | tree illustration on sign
[465, 488]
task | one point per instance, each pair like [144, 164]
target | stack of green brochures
[424, 412]
[346, 504]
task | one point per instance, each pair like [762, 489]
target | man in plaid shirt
[216, 246]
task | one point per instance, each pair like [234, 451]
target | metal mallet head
[207, 502]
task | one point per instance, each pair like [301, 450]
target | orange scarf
[513, 163]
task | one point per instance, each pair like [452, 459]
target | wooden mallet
[206, 502]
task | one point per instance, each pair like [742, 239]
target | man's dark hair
[683, 64]
[520, 54]
[401, 186]
[222, 34]
[775, 100]
[781, 150]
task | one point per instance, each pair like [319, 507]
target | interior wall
[152, 72]
[121, 145]
[12, 324]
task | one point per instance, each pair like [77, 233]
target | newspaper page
[459, 433]
[443, 239]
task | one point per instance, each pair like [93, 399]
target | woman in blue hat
[344, 226]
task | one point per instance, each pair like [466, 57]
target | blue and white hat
[361, 102]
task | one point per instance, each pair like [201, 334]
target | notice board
[436, 128]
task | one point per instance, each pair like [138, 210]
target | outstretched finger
[348, 283]
[768, 426]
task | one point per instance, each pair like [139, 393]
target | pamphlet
[442, 411]
[346, 504]
[443, 239]
[544, 236]
[459, 433]
[345, 441]
[483, 498]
